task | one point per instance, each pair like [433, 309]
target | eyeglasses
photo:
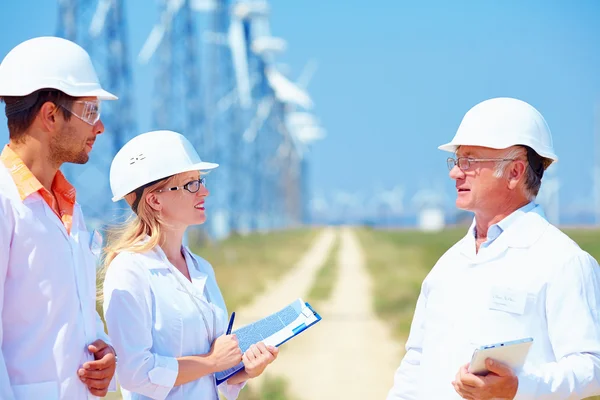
[464, 163]
[91, 111]
[191, 186]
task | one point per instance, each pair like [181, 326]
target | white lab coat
[532, 281]
[47, 301]
[153, 321]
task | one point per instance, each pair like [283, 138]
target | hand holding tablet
[512, 354]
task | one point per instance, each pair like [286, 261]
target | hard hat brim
[101, 94]
[448, 147]
[451, 147]
[201, 166]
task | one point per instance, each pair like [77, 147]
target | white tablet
[511, 353]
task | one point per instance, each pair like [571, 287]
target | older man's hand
[98, 374]
[500, 383]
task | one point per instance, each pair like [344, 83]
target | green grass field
[244, 266]
[326, 277]
[399, 261]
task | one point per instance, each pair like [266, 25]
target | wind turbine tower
[100, 27]
[178, 102]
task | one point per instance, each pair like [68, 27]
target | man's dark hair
[22, 110]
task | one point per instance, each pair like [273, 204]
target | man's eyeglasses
[90, 113]
[191, 186]
[464, 163]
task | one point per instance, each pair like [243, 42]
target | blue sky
[395, 78]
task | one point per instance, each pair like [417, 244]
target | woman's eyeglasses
[191, 186]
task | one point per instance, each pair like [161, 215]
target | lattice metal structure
[100, 27]
[224, 127]
[234, 110]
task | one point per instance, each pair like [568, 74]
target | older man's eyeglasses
[90, 112]
[191, 186]
[464, 163]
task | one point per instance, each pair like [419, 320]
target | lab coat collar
[522, 233]
[199, 278]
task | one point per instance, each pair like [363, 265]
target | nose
[456, 173]
[99, 127]
[203, 191]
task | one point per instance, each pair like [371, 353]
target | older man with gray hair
[502, 148]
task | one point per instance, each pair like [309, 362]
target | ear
[48, 116]
[153, 201]
[516, 173]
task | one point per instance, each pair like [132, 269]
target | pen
[230, 323]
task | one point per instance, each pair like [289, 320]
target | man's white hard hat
[50, 63]
[503, 122]
[152, 156]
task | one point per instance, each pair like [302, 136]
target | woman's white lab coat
[152, 320]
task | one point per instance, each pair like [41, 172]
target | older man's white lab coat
[532, 281]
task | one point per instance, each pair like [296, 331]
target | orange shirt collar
[27, 184]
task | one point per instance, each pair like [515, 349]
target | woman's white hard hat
[503, 122]
[153, 156]
[50, 63]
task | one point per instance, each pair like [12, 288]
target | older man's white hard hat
[503, 122]
[152, 156]
[50, 63]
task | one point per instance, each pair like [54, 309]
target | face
[477, 188]
[180, 208]
[75, 138]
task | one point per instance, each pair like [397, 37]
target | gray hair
[533, 181]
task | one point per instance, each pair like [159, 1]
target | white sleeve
[101, 334]
[128, 316]
[407, 375]
[573, 315]
[6, 229]
[231, 392]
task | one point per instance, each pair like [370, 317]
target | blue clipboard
[222, 376]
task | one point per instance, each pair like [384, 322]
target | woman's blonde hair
[146, 222]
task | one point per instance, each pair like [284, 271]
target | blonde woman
[163, 307]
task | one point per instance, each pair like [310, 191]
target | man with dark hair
[53, 344]
[513, 276]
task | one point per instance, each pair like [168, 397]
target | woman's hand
[225, 352]
[257, 357]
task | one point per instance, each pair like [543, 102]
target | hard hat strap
[24, 103]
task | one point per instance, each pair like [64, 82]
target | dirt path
[296, 283]
[349, 354]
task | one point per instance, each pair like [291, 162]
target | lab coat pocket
[43, 390]
[512, 314]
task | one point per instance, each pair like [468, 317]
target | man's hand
[500, 383]
[97, 374]
[257, 357]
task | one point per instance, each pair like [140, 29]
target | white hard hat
[503, 122]
[53, 63]
[152, 156]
